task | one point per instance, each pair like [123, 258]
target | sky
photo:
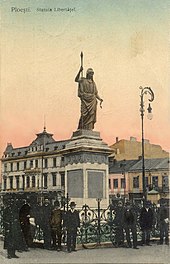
[126, 42]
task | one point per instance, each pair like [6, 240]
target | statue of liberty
[87, 91]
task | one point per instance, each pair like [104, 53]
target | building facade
[131, 149]
[125, 178]
[38, 167]
[77, 167]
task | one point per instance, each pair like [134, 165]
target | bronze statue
[87, 91]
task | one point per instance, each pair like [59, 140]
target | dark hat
[72, 204]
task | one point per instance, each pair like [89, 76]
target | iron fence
[96, 226]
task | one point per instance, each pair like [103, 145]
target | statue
[87, 91]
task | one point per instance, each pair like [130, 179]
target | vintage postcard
[78, 81]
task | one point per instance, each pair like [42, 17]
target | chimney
[117, 139]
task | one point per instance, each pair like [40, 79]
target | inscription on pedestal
[95, 184]
[75, 185]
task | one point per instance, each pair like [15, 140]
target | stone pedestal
[86, 169]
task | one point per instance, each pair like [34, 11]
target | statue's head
[89, 73]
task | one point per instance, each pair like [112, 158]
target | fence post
[86, 206]
[67, 201]
[98, 227]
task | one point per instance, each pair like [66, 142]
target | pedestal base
[86, 172]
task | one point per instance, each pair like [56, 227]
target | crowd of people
[127, 218]
[21, 220]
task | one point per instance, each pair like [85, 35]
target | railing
[97, 226]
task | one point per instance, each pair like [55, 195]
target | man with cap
[55, 222]
[146, 222]
[129, 219]
[71, 223]
[87, 91]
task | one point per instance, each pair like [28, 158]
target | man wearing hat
[71, 223]
[87, 91]
[55, 222]
[129, 219]
[146, 222]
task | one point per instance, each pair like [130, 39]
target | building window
[5, 185]
[12, 154]
[165, 184]
[33, 181]
[25, 165]
[109, 183]
[28, 182]
[54, 179]
[155, 181]
[5, 167]
[123, 183]
[115, 183]
[17, 182]
[11, 182]
[55, 148]
[146, 181]
[36, 163]
[46, 163]
[19, 153]
[23, 182]
[62, 179]
[136, 182]
[26, 152]
[45, 181]
[31, 163]
[62, 158]
[17, 166]
[11, 164]
[54, 162]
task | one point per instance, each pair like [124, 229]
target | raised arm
[78, 74]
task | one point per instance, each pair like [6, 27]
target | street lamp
[123, 165]
[145, 90]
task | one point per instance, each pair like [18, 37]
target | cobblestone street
[154, 254]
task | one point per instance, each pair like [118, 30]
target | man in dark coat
[9, 239]
[118, 221]
[164, 224]
[71, 223]
[55, 222]
[45, 216]
[24, 216]
[14, 239]
[129, 219]
[146, 222]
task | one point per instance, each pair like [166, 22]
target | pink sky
[40, 56]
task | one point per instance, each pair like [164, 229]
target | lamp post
[123, 165]
[144, 91]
